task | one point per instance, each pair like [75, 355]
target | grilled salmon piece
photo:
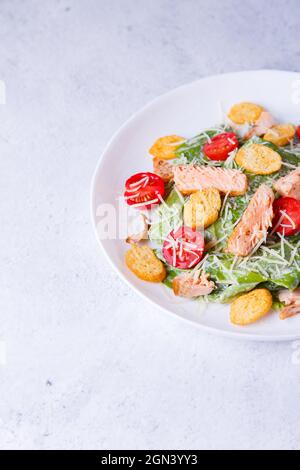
[262, 125]
[289, 311]
[163, 168]
[292, 302]
[190, 178]
[191, 285]
[288, 297]
[289, 185]
[254, 224]
[141, 229]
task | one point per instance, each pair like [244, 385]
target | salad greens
[275, 265]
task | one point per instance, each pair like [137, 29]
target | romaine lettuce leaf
[275, 266]
[166, 217]
[191, 150]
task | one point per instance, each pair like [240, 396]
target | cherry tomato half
[298, 132]
[220, 146]
[287, 216]
[144, 190]
[183, 248]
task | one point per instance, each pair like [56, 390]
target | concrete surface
[88, 363]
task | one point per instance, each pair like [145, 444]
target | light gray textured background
[90, 364]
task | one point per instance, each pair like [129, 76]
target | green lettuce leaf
[274, 266]
[166, 217]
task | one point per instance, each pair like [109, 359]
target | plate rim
[238, 336]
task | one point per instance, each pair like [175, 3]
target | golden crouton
[249, 308]
[141, 260]
[281, 135]
[202, 209]
[245, 113]
[165, 147]
[258, 159]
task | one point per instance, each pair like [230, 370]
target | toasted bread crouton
[202, 209]
[249, 308]
[164, 148]
[142, 261]
[281, 134]
[163, 168]
[258, 159]
[245, 113]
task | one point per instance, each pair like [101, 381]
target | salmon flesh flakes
[254, 224]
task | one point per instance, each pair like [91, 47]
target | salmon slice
[262, 125]
[289, 311]
[141, 230]
[288, 297]
[289, 185]
[163, 168]
[292, 302]
[190, 178]
[190, 285]
[254, 224]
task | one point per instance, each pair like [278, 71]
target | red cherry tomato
[183, 248]
[287, 216]
[298, 132]
[220, 146]
[144, 190]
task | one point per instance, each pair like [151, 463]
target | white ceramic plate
[185, 111]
